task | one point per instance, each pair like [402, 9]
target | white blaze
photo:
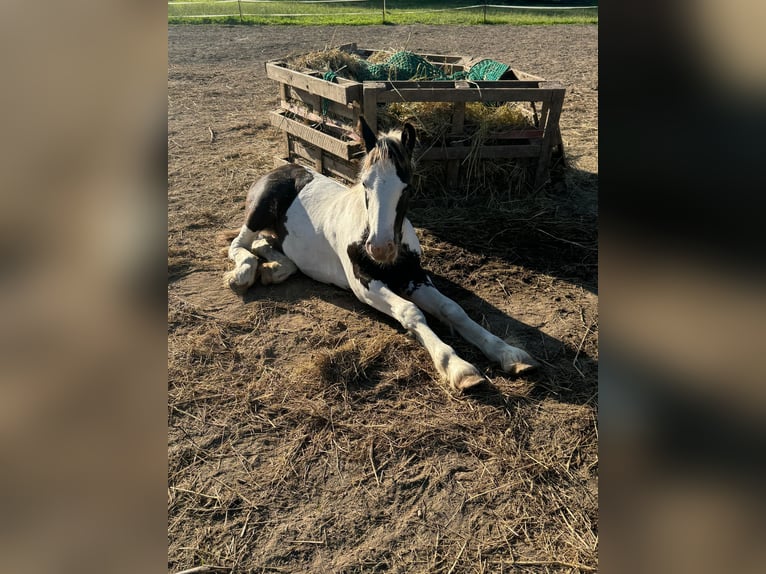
[383, 188]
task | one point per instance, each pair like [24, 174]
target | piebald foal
[358, 238]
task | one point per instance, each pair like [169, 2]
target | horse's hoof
[522, 367]
[470, 381]
[516, 361]
[230, 281]
[238, 281]
[463, 375]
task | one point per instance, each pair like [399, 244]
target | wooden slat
[305, 97]
[516, 135]
[345, 150]
[301, 161]
[311, 153]
[463, 95]
[339, 168]
[456, 129]
[326, 164]
[287, 144]
[370, 94]
[284, 92]
[304, 112]
[484, 152]
[343, 94]
[551, 132]
[319, 105]
[461, 84]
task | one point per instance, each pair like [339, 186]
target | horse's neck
[356, 199]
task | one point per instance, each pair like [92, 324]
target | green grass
[363, 14]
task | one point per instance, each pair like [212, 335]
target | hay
[494, 180]
[343, 63]
[270, 449]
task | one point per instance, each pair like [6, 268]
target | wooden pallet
[318, 117]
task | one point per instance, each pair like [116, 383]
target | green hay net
[406, 65]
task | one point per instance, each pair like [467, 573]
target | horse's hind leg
[511, 359]
[278, 266]
[245, 269]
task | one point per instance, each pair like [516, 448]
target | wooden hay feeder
[318, 117]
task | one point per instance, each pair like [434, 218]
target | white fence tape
[266, 15]
[421, 10]
[475, 6]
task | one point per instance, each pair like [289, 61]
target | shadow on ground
[554, 231]
[567, 374]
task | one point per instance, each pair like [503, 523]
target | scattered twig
[179, 489]
[459, 554]
[235, 491]
[205, 570]
[475, 496]
[503, 288]
[212, 134]
[436, 551]
[574, 364]
[372, 462]
[244, 526]
[580, 245]
[579, 348]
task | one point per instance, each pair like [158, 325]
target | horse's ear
[408, 137]
[368, 136]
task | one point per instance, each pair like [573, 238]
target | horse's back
[269, 198]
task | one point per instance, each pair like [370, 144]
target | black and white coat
[359, 238]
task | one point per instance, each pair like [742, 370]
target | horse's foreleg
[459, 373]
[511, 359]
[278, 266]
[245, 263]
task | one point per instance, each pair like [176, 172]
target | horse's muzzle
[384, 253]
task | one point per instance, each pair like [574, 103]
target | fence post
[485, 12]
[239, 3]
[384, 11]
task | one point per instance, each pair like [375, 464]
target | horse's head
[385, 177]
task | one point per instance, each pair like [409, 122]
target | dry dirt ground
[308, 433]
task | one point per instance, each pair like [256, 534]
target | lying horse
[358, 238]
